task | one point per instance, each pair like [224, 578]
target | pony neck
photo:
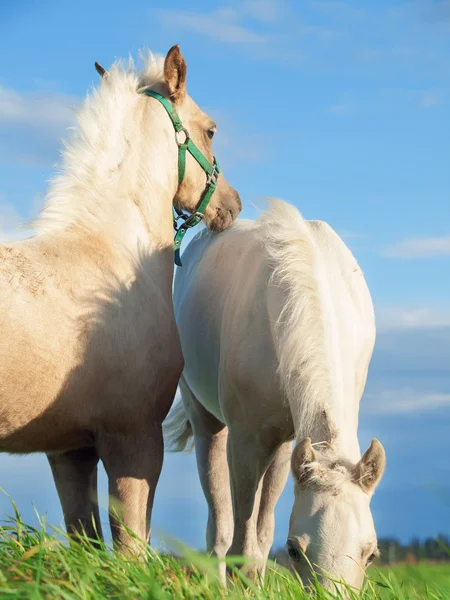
[118, 178]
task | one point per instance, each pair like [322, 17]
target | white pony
[277, 330]
[89, 351]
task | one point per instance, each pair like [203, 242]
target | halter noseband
[212, 171]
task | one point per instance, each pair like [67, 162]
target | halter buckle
[193, 220]
[177, 139]
[213, 177]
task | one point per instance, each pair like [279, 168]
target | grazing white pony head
[120, 166]
[331, 527]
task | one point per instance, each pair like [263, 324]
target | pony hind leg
[75, 475]
[211, 453]
[133, 463]
[273, 485]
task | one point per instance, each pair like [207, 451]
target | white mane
[98, 146]
[305, 365]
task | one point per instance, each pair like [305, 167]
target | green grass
[414, 581]
[35, 565]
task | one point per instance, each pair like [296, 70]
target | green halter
[212, 171]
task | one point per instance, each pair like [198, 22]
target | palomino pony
[89, 353]
[277, 330]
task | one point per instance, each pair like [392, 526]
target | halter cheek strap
[212, 171]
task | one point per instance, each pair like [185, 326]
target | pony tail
[177, 430]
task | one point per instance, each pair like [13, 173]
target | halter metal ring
[177, 139]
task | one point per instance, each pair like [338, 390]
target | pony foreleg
[133, 464]
[273, 485]
[247, 462]
[75, 475]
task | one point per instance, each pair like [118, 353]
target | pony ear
[100, 70]
[175, 74]
[302, 455]
[370, 469]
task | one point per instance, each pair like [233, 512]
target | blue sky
[341, 108]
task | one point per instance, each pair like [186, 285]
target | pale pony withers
[277, 329]
[89, 353]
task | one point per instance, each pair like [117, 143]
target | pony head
[225, 204]
[331, 529]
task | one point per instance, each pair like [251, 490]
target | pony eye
[371, 558]
[211, 133]
[293, 551]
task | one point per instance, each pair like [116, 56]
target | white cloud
[222, 24]
[266, 11]
[9, 156]
[403, 401]
[389, 318]
[363, 39]
[269, 27]
[12, 223]
[45, 111]
[420, 248]
[399, 98]
[429, 99]
[32, 124]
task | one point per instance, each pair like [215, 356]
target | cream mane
[94, 156]
[305, 366]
